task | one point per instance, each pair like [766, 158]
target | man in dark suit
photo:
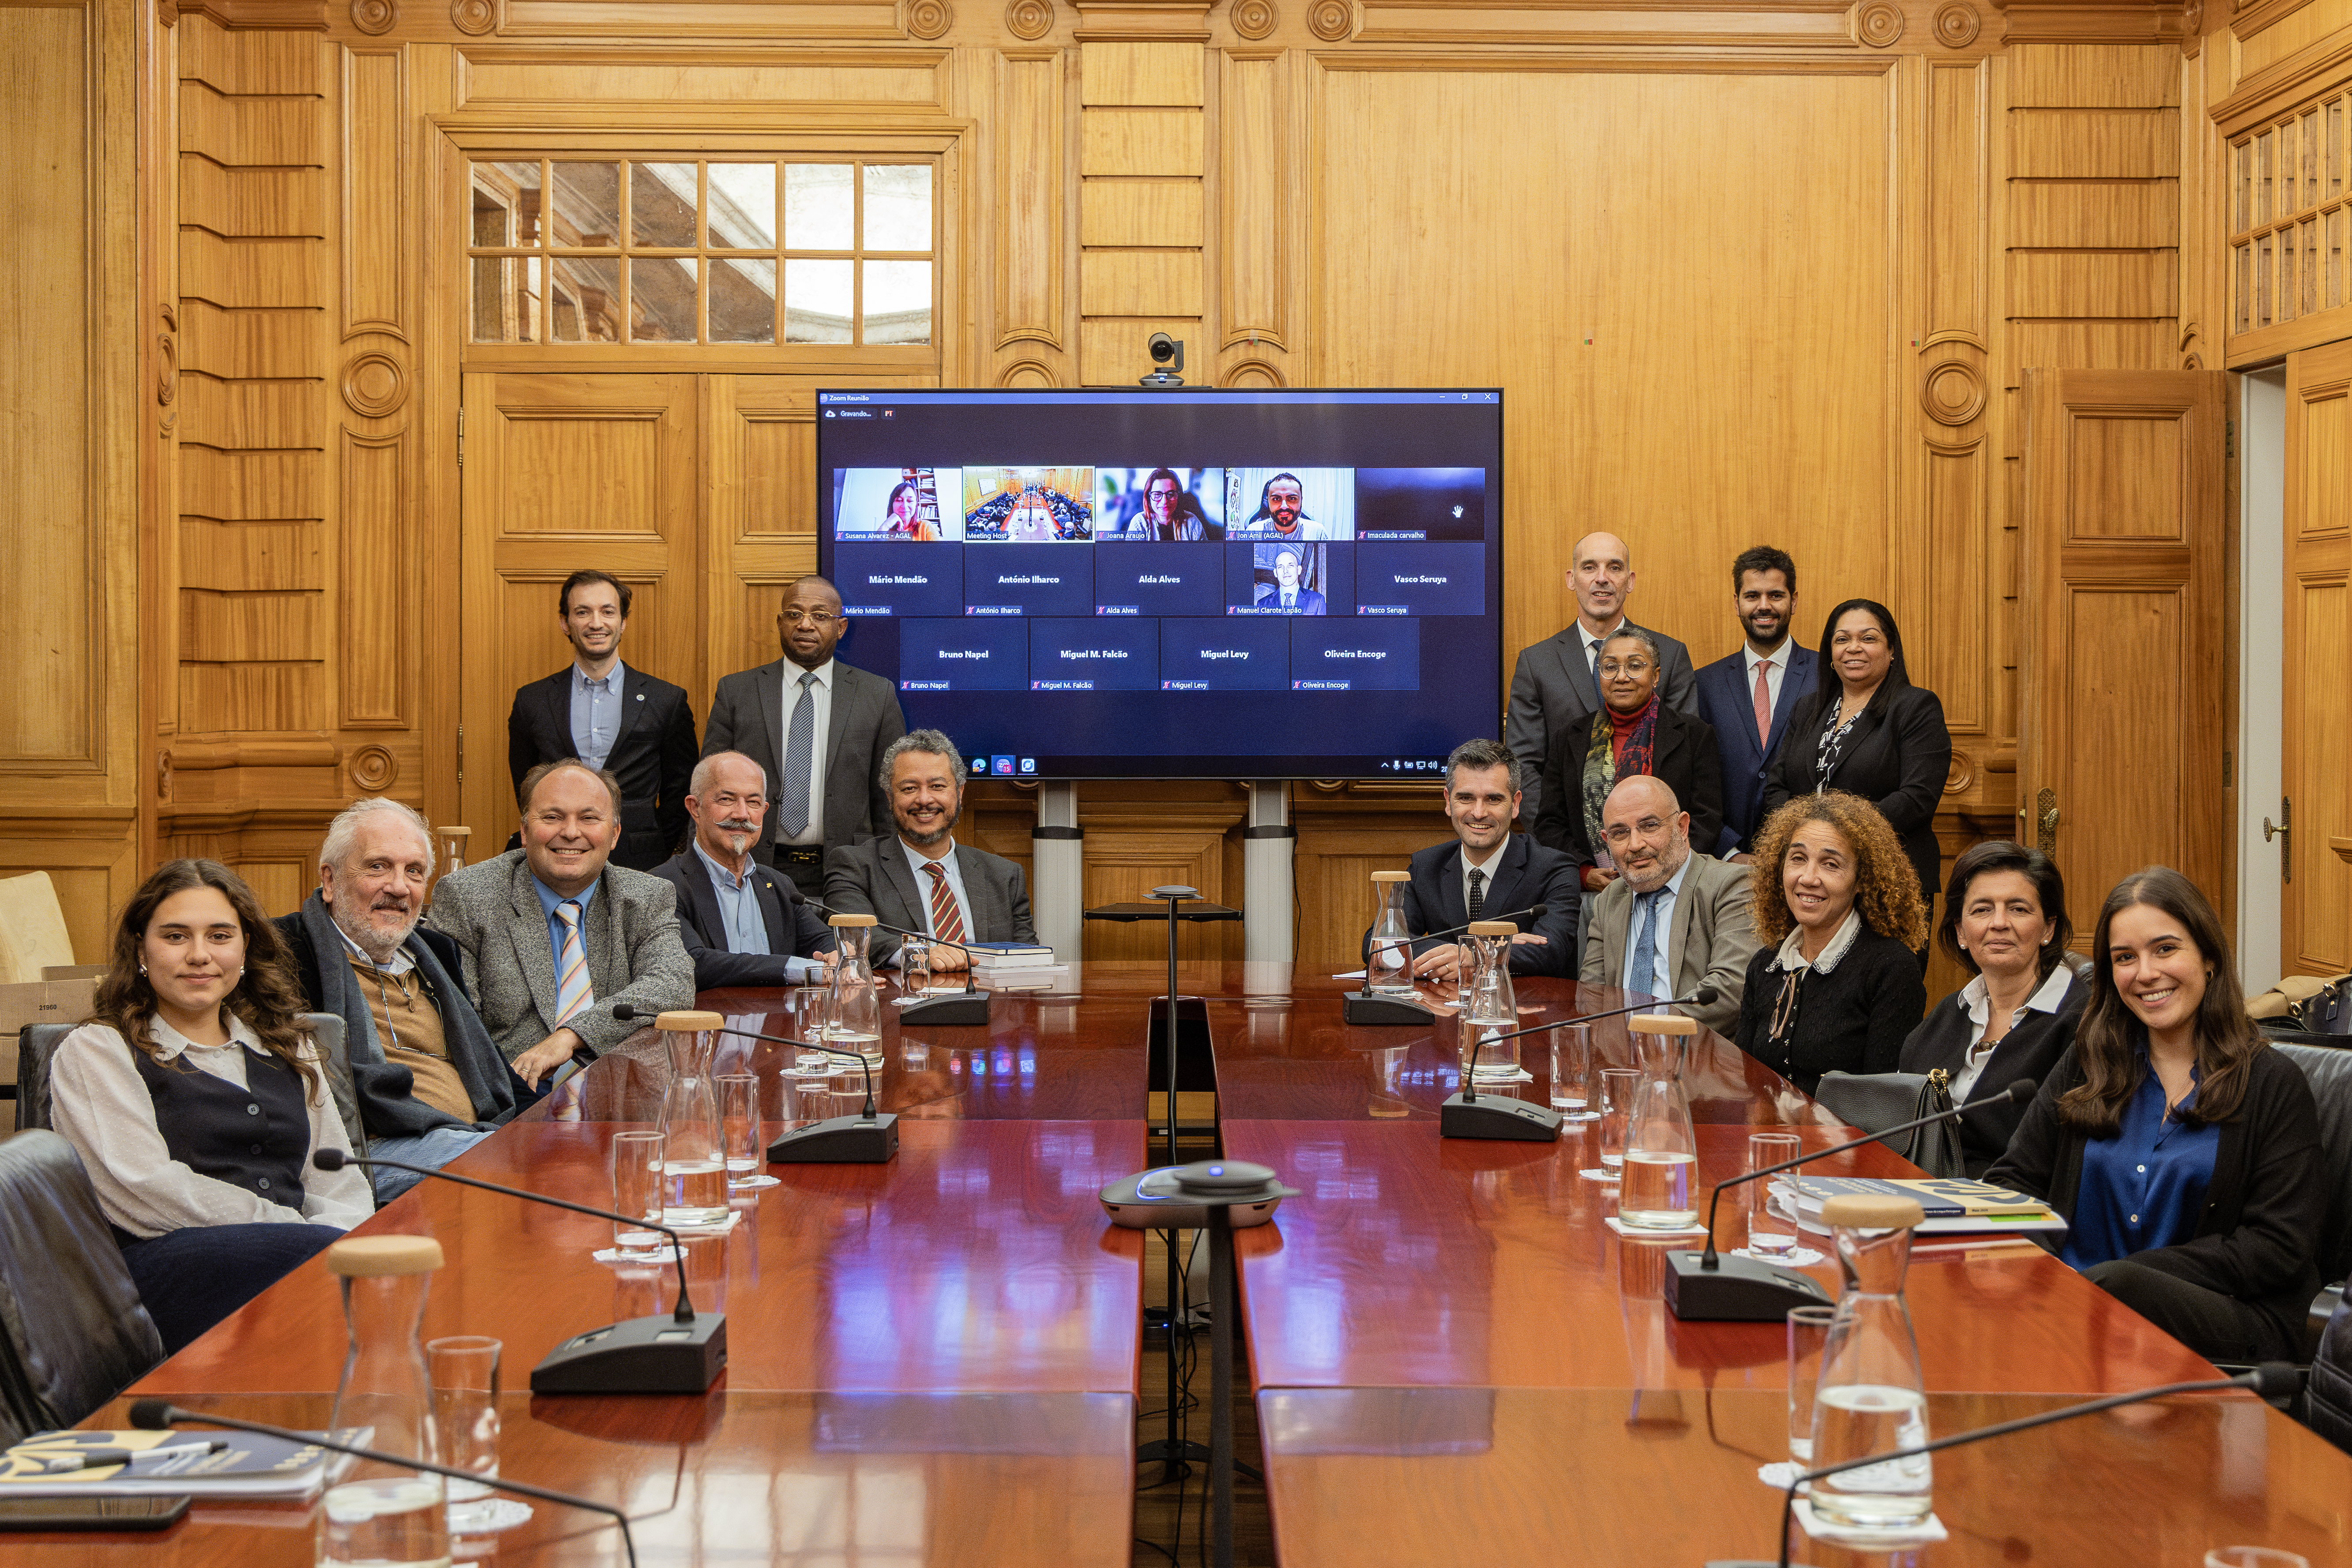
[742, 923]
[921, 878]
[1485, 871]
[819, 736]
[1552, 685]
[1748, 696]
[614, 719]
[1283, 592]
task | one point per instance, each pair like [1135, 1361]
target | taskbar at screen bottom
[1015, 768]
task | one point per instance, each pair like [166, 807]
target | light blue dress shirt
[738, 907]
[1660, 981]
[548, 899]
[595, 713]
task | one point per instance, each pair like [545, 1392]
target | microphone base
[968, 1007]
[642, 1355]
[839, 1140]
[1498, 1116]
[1736, 1290]
[1365, 1007]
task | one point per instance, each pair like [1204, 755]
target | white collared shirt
[1789, 959]
[916, 861]
[1592, 642]
[102, 1106]
[1484, 868]
[823, 692]
[1776, 668]
[1659, 981]
[1976, 1003]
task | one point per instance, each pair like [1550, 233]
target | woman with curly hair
[196, 1103]
[2182, 1150]
[1836, 986]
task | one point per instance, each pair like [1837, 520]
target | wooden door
[561, 472]
[2316, 905]
[2128, 682]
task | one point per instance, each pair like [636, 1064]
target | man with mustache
[1749, 696]
[742, 923]
[1673, 920]
[426, 1082]
[922, 879]
[1281, 514]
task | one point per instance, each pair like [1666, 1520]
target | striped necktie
[946, 920]
[574, 993]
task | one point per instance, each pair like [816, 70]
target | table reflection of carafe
[1870, 1398]
[1661, 1147]
[378, 1512]
[1388, 962]
[1489, 1006]
[853, 1015]
[694, 1150]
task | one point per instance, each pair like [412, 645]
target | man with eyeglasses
[817, 728]
[741, 923]
[1673, 921]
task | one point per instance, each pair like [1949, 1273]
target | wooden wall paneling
[1259, 216]
[376, 615]
[1142, 140]
[376, 138]
[1142, 835]
[157, 558]
[2315, 923]
[1345, 834]
[1029, 231]
[93, 857]
[437, 179]
[759, 510]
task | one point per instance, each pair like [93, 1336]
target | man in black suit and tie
[614, 719]
[743, 924]
[818, 727]
[1485, 871]
[1748, 696]
[1552, 687]
[921, 878]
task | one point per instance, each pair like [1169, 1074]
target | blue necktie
[1645, 944]
[792, 810]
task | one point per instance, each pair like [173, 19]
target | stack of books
[1015, 965]
[1953, 1206]
[171, 1464]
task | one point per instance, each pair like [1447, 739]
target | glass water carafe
[1387, 963]
[380, 1513]
[1489, 1006]
[853, 1016]
[694, 1149]
[1656, 1188]
[1870, 1398]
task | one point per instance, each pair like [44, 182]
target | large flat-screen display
[1188, 583]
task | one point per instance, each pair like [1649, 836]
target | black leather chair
[38, 1042]
[2327, 1396]
[2329, 1068]
[73, 1333]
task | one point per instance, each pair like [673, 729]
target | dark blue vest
[256, 1138]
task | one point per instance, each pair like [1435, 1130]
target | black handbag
[1873, 1100]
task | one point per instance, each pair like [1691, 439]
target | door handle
[2046, 823]
[2284, 833]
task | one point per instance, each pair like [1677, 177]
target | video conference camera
[1168, 356]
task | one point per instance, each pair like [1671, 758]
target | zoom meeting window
[1173, 584]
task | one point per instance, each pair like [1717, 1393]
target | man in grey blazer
[1674, 921]
[921, 878]
[1552, 685]
[553, 934]
[819, 727]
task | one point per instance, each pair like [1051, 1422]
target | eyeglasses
[814, 617]
[1623, 667]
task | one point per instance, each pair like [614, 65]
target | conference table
[937, 1360]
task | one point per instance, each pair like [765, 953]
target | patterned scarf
[1605, 762]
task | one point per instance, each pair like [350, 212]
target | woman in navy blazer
[1867, 731]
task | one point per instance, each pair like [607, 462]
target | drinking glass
[1617, 1088]
[464, 1373]
[808, 1023]
[741, 1134]
[1769, 1236]
[1808, 1332]
[915, 966]
[637, 1190]
[1571, 1072]
[2253, 1557]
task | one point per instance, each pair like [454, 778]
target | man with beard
[426, 1081]
[614, 719]
[923, 879]
[1554, 687]
[1749, 696]
[1281, 514]
[1673, 920]
[817, 728]
[741, 923]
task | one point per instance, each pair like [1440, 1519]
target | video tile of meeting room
[1028, 506]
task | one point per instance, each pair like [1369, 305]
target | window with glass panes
[610, 251]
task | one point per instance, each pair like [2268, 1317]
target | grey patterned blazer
[634, 955]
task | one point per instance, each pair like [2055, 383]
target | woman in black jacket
[2182, 1150]
[1632, 733]
[1835, 985]
[2005, 921]
[1867, 731]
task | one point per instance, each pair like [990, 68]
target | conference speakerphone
[1172, 582]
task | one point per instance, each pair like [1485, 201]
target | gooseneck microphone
[1703, 1286]
[1701, 997]
[2271, 1380]
[161, 1415]
[1362, 1005]
[869, 1137]
[1508, 1117]
[970, 1006]
[678, 1355]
